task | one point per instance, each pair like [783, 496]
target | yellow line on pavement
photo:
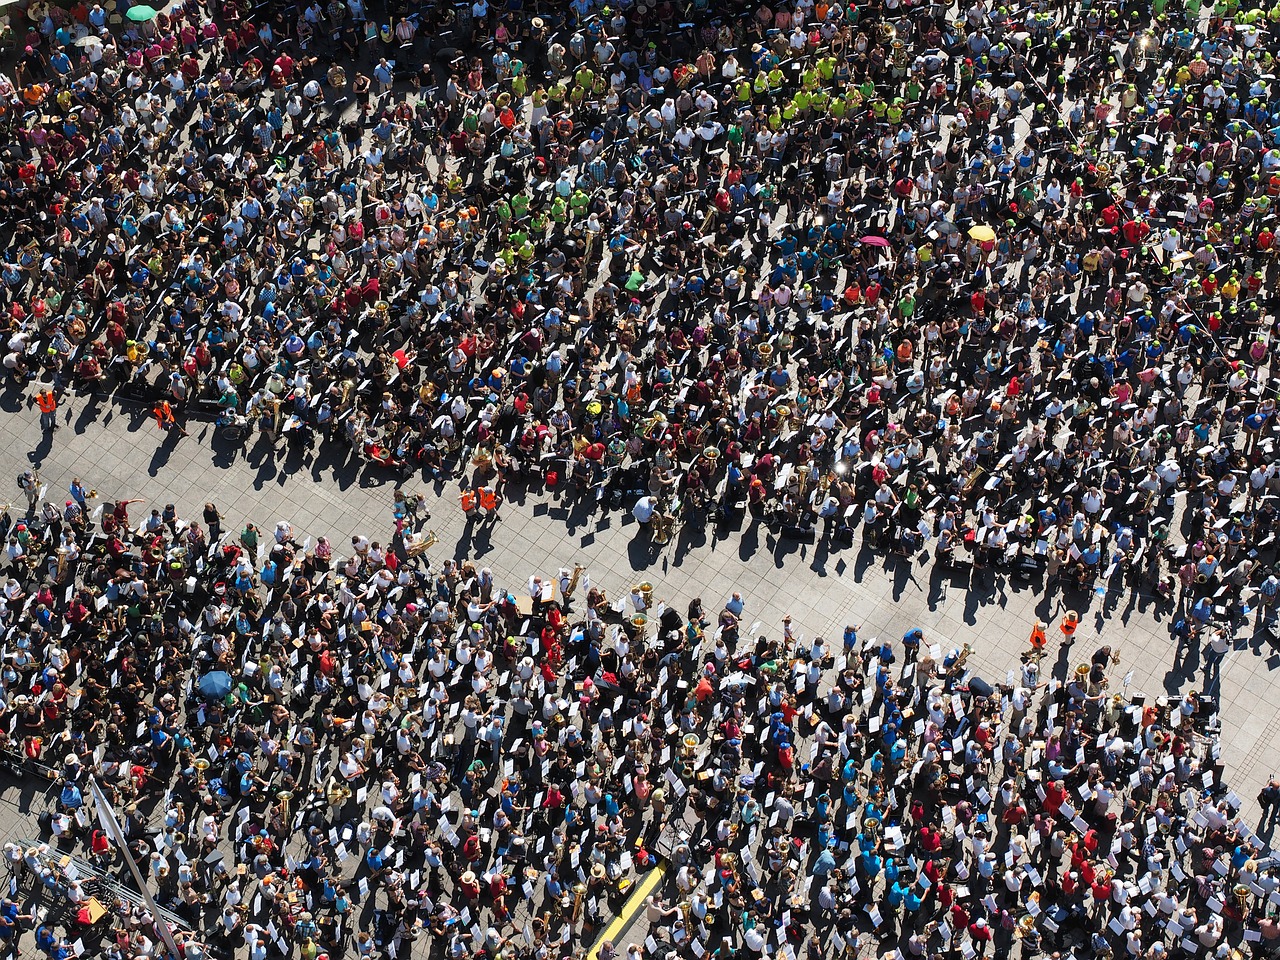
[630, 908]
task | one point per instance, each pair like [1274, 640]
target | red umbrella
[873, 241]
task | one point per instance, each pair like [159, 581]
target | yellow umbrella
[982, 233]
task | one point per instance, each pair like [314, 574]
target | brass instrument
[338, 793]
[1242, 898]
[766, 351]
[973, 478]
[962, 656]
[664, 524]
[573, 584]
[654, 426]
[284, 796]
[201, 766]
[887, 32]
[420, 546]
[640, 622]
[337, 77]
[579, 893]
[645, 589]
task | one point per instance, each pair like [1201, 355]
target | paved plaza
[116, 449]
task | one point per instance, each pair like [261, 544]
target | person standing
[213, 520]
[47, 401]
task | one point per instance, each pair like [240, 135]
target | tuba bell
[201, 766]
[1241, 893]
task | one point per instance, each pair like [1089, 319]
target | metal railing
[56, 860]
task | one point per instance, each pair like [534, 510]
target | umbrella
[982, 233]
[215, 685]
[142, 13]
[88, 40]
[1148, 138]
[874, 241]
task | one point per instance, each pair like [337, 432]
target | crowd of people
[994, 283]
[322, 753]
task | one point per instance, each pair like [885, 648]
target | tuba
[1241, 893]
[426, 543]
[201, 766]
[664, 527]
[338, 793]
[645, 589]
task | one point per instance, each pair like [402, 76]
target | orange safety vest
[468, 501]
[1069, 625]
[488, 499]
[1037, 636]
[47, 401]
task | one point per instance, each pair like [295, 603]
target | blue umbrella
[215, 685]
